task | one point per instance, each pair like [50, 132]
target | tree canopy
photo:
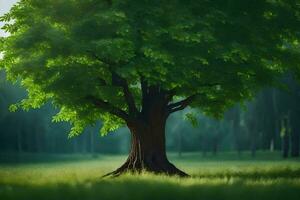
[92, 58]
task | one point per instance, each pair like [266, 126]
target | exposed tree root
[166, 168]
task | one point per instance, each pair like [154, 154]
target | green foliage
[110, 124]
[13, 108]
[192, 118]
[224, 51]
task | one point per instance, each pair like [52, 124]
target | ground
[79, 177]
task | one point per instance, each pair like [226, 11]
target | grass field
[222, 177]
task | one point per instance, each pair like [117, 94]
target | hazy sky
[5, 5]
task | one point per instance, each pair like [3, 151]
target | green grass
[221, 177]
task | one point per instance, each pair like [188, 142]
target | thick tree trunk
[148, 149]
[147, 127]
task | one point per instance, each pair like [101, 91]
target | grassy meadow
[224, 176]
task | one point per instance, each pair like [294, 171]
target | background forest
[269, 122]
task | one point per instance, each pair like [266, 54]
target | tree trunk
[285, 137]
[286, 146]
[204, 146]
[147, 127]
[92, 144]
[215, 146]
[253, 137]
[295, 139]
[148, 149]
[179, 144]
[294, 134]
[19, 141]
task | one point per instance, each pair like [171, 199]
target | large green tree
[135, 62]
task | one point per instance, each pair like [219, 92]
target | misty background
[269, 122]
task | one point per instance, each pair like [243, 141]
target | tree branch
[181, 104]
[117, 80]
[184, 103]
[108, 107]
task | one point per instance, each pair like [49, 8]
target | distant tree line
[271, 121]
[34, 132]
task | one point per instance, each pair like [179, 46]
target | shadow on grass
[132, 188]
[30, 158]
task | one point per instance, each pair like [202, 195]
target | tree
[288, 109]
[252, 125]
[135, 62]
[285, 134]
[237, 128]
[292, 98]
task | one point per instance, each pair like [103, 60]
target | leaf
[192, 118]
[13, 108]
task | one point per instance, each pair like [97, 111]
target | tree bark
[148, 149]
